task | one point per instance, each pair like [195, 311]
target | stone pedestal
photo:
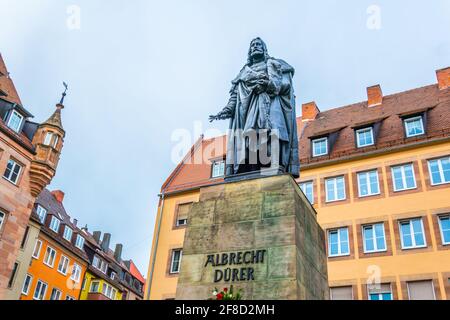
[259, 235]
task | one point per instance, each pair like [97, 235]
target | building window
[76, 273]
[68, 233]
[113, 275]
[308, 190]
[15, 121]
[94, 287]
[320, 147]
[27, 284]
[13, 275]
[56, 294]
[374, 238]
[368, 184]
[444, 223]
[439, 170]
[41, 212]
[54, 224]
[404, 178]
[380, 292]
[37, 249]
[335, 189]
[69, 297]
[338, 242]
[40, 290]
[12, 171]
[100, 264]
[63, 264]
[2, 218]
[79, 242]
[49, 258]
[421, 290]
[364, 137]
[218, 169]
[341, 293]
[109, 291]
[25, 237]
[175, 261]
[412, 234]
[51, 139]
[414, 126]
[182, 214]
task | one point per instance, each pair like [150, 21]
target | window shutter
[421, 290]
[382, 288]
[183, 210]
[342, 293]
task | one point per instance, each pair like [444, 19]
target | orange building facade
[377, 173]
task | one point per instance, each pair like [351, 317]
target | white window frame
[220, 164]
[369, 185]
[21, 117]
[66, 264]
[76, 273]
[411, 229]
[380, 293]
[363, 130]
[172, 260]
[98, 286]
[59, 293]
[408, 120]
[444, 216]
[339, 254]
[48, 138]
[441, 171]
[58, 224]
[319, 140]
[402, 167]
[27, 291]
[41, 210]
[2, 218]
[48, 255]
[14, 165]
[303, 185]
[66, 228]
[375, 244]
[432, 286]
[40, 290]
[335, 189]
[77, 242]
[39, 251]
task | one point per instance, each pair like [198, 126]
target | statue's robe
[254, 107]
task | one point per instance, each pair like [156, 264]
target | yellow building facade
[96, 288]
[384, 205]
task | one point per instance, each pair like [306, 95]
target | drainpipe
[152, 267]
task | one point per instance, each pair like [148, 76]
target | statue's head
[257, 51]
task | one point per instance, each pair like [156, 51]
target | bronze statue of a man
[263, 129]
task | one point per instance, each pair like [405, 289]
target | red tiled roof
[344, 119]
[6, 85]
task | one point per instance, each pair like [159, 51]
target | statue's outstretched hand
[213, 117]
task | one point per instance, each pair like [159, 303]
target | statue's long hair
[266, 53]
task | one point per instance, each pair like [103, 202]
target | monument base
[259, 235]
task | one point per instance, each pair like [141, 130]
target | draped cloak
[253, 107]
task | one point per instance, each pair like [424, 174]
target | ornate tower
[48, 141]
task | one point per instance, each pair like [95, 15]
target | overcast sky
[138, 70]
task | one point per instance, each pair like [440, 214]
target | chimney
[85, 228]
[374, 96]
[118, 252]
[75, 221]
[97, 235]
[59, 195]
[443, 78]
[309, 111]
[105, 241]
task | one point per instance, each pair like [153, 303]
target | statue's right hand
[212, 118]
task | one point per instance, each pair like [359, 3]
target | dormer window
[51, 139]
[54, 224]
[218, 169]
[364, 137]
[68, 233]
[15, 121]
[320, 147]
[79, 242]
[414, 126]
[41, 212]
